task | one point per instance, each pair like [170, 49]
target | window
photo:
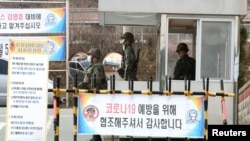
[4, 67]
[215, 49]
[174, 39]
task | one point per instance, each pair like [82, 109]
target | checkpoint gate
[84, 125]
[214, 28]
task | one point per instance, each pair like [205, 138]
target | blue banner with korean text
[51, 20]
[140, 115]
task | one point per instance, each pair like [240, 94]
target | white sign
[27, 91]
[141, 115]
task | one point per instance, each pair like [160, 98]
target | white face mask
[123, 47]
[123, 40]
[89, 58]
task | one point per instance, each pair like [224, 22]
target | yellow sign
[28, 47]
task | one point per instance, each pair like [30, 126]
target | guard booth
[213, 29]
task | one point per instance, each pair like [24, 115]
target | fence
[167, 92]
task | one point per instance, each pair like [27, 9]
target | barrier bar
[113, 84]
[75, 103]
[147, 92]
[223, 104]
[206, 89]
[112, 87]
[187, 93]
[150, 88]
[56, 90]
[56, 109]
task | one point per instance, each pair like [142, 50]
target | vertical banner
[141, 115]
[26, 114]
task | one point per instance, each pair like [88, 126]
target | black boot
[96, 138]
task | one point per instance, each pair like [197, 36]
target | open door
[180, 31]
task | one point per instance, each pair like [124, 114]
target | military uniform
[97, 70]
[185, 68]
[128, 64]
[129, 59]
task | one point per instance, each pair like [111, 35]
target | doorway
[180, 31]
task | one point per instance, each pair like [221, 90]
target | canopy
[146, 12]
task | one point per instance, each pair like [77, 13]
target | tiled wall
[244, 104]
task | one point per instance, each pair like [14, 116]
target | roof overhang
[147, 12]
[124, 18]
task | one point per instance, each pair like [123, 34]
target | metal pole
[206, 88]
[75, 108]
[67, 50]
[57, 110]
[223, 104]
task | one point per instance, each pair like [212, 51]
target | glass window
[174, 39]
[85, 64]
[4, 67]
[215, 49]
[112, 62]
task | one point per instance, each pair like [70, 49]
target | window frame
[230, 61]
[197, 42]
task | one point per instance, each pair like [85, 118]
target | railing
[167, 92]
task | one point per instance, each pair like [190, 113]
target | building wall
[244, 91]
[243, 104]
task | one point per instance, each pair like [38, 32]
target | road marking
[2, 125]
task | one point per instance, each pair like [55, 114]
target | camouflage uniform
[129, 59]
[185, 66]
[129, 63]
[95, 69]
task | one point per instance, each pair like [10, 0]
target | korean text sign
[51, 20]
[57, 46]
[26, 115]
[141, 115]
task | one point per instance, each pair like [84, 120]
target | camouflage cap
[95, 53]
[128, 36]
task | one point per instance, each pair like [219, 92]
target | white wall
[220, 7]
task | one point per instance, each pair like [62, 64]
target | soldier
[128, 64]
[185, 66]
[97, 69]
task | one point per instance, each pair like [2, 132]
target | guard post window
[216, 49]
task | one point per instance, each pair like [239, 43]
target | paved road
[65, 127]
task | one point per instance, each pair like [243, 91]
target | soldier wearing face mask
[95, 69]
[128, 68]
